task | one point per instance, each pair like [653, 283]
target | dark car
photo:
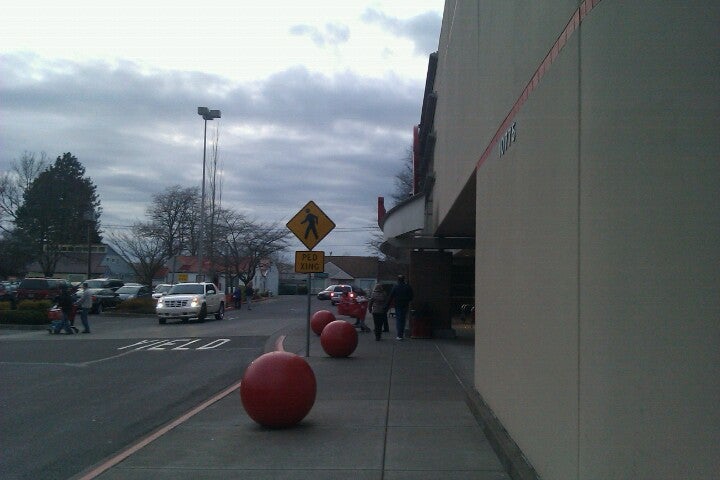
[7, 293]
[102, 298]
[111, 283]
[128, 292]
[40, 288]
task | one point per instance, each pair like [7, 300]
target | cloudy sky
[318, 99]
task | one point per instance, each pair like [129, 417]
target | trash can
[420, 324]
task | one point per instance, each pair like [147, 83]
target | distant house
[185, 268]
[267, 277]
[361, 272]
[73, 264]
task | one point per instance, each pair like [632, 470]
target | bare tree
[171, 216]
[404, 178]
[143, 249]
[15, 182]
[376, 240]
[246, 243]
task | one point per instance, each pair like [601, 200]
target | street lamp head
[208, 114]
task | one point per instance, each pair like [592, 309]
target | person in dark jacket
[237, 297]
[248, 294]
[401, 294]
[65, 302]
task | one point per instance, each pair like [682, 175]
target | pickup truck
[191, 300]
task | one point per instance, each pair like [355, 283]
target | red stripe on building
[583, 10]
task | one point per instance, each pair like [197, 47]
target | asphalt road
[68, 402]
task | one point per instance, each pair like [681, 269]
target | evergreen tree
[54, 211]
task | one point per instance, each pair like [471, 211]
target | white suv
[191, 300]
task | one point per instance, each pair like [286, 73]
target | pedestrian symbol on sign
[311, 220]
[310, 225]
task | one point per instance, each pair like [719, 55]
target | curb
[12, 326]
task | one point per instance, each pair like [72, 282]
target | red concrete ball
[320, 319]
[339, 339]
[278, 389]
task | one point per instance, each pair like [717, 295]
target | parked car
[336, 294]
[325, 294]
[102, 298]
[127, 292]
[161, 290]
[40, 288]
[7, 293]
[191, 300]
[111, 283]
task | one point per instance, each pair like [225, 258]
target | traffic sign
[310, 225]
[309, 262]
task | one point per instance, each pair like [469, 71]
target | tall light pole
[207, 114]
[89, 217]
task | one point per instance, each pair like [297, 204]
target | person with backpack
[402, 294]
[378, 306]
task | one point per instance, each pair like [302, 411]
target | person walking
[248, 294]
[85, 304]
[402, 294]
[378, 307]
[65, 302]
[237, 297]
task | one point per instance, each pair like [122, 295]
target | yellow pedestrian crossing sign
[309, 262]
[310, 225]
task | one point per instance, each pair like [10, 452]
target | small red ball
[320, 319]
[278, 389]
[339, 339]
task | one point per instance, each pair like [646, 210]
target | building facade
[571, 148]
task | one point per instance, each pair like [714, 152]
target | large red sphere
[320, 319]
[339, 339]
[278, 389]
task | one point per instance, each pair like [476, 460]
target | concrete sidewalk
[393, 410]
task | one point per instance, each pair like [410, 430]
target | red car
[40, 288]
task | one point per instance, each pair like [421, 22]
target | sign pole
[310, 225]
[307, 325]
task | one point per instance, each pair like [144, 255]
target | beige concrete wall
[650, 241]
[598, 232]
[526, 283]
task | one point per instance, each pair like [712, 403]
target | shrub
[286, 289]
[137, 305]
[6, 305]
[43, 305]
[24, 317]
[302, 290]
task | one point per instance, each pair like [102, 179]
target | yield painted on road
[177, 344]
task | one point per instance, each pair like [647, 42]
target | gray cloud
[295, 137]
[423, 29]
[331, 34]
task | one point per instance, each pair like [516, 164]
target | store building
[570, 150]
